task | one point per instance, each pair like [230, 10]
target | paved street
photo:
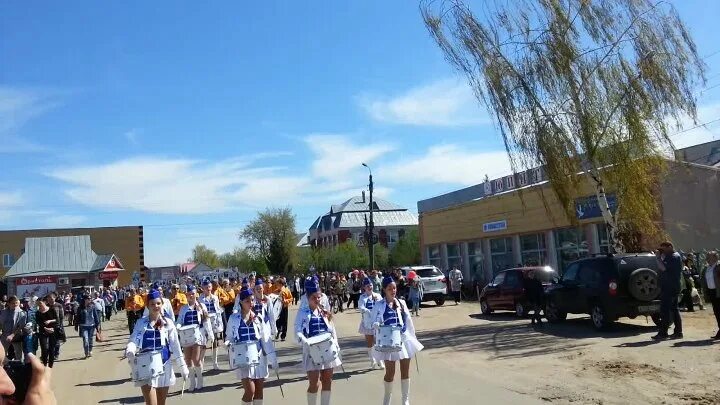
[442, 379]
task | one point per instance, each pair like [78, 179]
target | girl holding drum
[193, 318]
[392, 313]
[367, 302]
[212, 303]
[313, 323]
[245, 327]
[153, 343]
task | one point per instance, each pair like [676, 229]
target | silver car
[434, 282]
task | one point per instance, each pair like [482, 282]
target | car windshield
[431, 272]
[546, 276]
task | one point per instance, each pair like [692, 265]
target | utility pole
[371, 233]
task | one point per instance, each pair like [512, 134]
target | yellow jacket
[273, 289]
[225, 297]
[178, 301]
[287, 297]
[135, 302]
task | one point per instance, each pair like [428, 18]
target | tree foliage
[202, 254]
[406, 251]
[244, 260]
[579, 86]
[271, 236]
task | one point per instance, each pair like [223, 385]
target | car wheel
[440, 301]
[643, 284]
[599, 317]
[485, 308]
[553, 313]
[520, 310]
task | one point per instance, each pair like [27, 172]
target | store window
[571, 245]
[7, 260]
[454, 256]
[434, 256]
[532, 248]
[604, 238]
[501, 254]
[392, 238]
[475, 262]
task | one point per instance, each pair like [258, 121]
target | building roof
[201, 267]
[57, 256]
[303, 240]
[352, 214]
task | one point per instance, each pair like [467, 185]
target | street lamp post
[371, 228]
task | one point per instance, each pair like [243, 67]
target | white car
[434, 282]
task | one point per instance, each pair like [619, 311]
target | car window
[432, 272]
[571, 272]
[589, 274]
[512, 279]
[499, 279]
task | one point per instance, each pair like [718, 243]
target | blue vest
[370, 303]
[191, 318]
[152, 340]
[246, 332]
[259, 309]
[210, 304]
[390, 318]
[317, 325]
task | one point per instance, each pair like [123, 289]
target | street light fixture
[371, 227]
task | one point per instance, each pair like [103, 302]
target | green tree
[579, 86]
[271, 236]
[202, 254]
[406, 251]
[245, 260]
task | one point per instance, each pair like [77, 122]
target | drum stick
[182, 392]
[277, 373]
[417, 365]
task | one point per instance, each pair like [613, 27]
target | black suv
[607, 288]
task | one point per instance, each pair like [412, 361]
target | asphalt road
[451, 370]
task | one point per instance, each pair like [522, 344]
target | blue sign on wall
[588, 207]
[495, 226]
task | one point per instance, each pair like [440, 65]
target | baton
[277, 373]
[182, 392]
[417, 366]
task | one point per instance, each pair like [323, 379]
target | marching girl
[167, 309]
[393, 311]
[264, 309]
[314, 320]
[246, 326]
[156, 333]
[195, 313]
[367, 302]
[212, 303]
[324, 300]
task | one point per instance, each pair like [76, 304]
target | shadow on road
[105, 383]
[123, 400]
[695, 343]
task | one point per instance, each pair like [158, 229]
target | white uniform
[384, 315]
[145, 337]
[189, 316]
[312, 323]
[167, 310]
[212, 303]
[261, 333]
[366, 305]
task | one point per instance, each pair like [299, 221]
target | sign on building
[588, 207]
[35, 286]
[495, 226]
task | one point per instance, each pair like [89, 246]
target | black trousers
[47, 348]
[669, 311]
[296, 297]
[132, 317]
[108, 312]
[282, 323]
[715, 301]
[354, 298]
[456, 296]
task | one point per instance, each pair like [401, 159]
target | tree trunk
[616, 245]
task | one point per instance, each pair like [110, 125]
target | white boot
[215, 363]
[405, 385]
[312, 398]
[373, 363]
[257, 402]
[199, 375]
[246, 403]
[381, 364]
[325, 397]
[191, 388]
[388, 392]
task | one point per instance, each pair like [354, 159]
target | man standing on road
[456, 279]
[286, 297]
[710, 280]
[670, 265]
[12, 321]
[535, 296]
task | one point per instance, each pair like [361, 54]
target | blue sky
[188, 118]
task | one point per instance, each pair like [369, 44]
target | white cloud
[65, 221]
[448, 164]
[17, 107]
[447, 103]
[336, 156]
[175, 186]
[132, 135]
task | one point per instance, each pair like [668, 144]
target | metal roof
[358, 204]
[56, 255]
[387, 218]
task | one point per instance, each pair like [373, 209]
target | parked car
[607, 288]
[506, 291]
[434, 282]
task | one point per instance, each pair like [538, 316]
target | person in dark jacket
[535, 296]
[670, 265]
[87, 321]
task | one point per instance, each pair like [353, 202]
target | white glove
[130, 356]
[226, 343]
[376, 325]
[185, 372]
[302, 338]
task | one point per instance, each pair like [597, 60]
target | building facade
[517, 220]
[126, 242]
[347, 222]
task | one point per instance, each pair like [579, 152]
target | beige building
[488, 227]
[125, 242]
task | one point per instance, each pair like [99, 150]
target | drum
[147, 365]
[367, 321]
[244, 354]
[389, 339]
[323, 349]
[189, 335]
